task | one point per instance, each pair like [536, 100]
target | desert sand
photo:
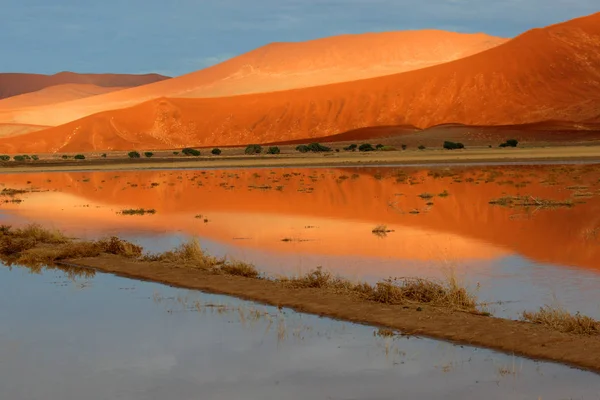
[280, 66]
[543, 74]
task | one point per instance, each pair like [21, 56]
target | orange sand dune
[335, 210]
[544, 74]
[14, 84]
[56, 94]
[281, 66]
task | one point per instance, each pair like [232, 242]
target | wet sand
[424, 157]
[513, 337]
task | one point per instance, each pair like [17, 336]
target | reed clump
[191, 255]
[561, 320]
[36, 245]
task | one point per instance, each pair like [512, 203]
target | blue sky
[179, 36]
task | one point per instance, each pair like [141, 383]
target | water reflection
[288, 221]
[119, 338]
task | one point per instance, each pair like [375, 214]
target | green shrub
[175, 153]
[19, 158]
[148, 154]
[510, 143]
[79, 157]
[133, 154]
[188, 151]
[352, 147]
[365, 147]
[273, 150]
[379, 146]
[4, 158]
[103, 155]
[253, 149]
[318, 148]
[421, 147]
[34, 157]
[25, 156]
[216, 151]
[404, 147]
[64, 156]
[453, 146]
[302, 148]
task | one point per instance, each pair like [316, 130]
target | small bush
[318, 148]
[188, 151]
[421, 147]
[25, 156]
[103, 155]
[352, 147]
[148, 154]
[175, 153]
[35, 158]
[404, 147]
[64, 156]
[216, 152]
[4, 158]
[253, 149]
[79, 157]
[387, 148]
[453, 146]
[273, 150]
[133, 154]
[365, 147]
[302, 148]
[379, 146]
[510, 143]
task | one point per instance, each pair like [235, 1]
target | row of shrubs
[257, 149]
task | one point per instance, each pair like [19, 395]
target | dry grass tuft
[114, 245]
[190, 254]
[561, 320]
[240, 269]
[381, 231]
[448, 294]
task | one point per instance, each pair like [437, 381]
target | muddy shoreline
[589, 154]
[508, 336]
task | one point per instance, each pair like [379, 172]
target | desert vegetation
[561, 320]
[253, 149]
[188, 151]
[216, 151]
[452, 145]
[510, 143]
[133, 154]
[313, 147]
[137, 211]
[530, 201]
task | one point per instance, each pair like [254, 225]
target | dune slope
[281, 66]
[544, 74]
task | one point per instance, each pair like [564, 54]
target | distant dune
[55, 94]
[281, 66]
[8, 130]
[14, 84]
[544, 74]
